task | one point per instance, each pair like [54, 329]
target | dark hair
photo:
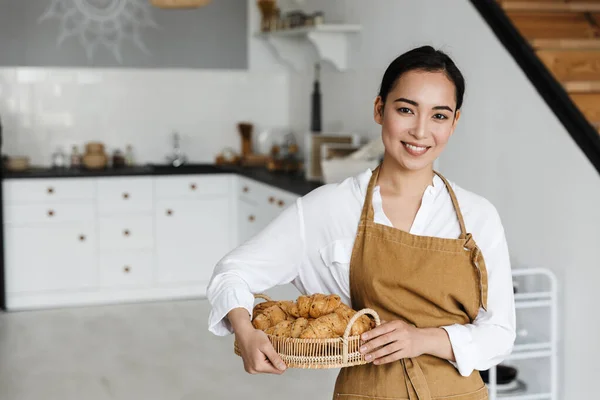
[424, 58]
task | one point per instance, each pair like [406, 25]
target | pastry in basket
[269, 317]
[311, 317]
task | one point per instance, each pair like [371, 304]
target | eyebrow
[414, 103]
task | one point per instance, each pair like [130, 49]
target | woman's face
[418, 118]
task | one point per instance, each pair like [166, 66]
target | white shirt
[310, 243]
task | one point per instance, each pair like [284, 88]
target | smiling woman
[427, 255]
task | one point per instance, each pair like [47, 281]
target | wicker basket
[320, 353]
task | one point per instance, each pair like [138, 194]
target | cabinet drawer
[192, 186]
[124, 195]
[24, 191]
[252, 191]
[126, 269]
[126, 233]
[48, 213]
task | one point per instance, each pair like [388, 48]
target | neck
[399, 181]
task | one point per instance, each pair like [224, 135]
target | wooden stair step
[554, 25]
[589, 104]
[582, 86]
[577, 7]
[566, 44]
[572, 65]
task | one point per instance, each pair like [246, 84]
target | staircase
[565, 36]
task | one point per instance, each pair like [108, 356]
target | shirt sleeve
[490, 338]
[269, 259]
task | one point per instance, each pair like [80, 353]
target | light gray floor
[135, 351]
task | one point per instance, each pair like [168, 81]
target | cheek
[394, 124]
[441, 134]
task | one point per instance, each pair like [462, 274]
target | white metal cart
[535, 353]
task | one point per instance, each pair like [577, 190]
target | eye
[404, 110]
[441, 117]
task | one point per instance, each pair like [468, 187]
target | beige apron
[425, 281]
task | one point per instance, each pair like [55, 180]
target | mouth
[415, 150]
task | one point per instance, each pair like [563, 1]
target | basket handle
[354, 318]
[262, 296]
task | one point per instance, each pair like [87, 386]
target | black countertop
[292, 183]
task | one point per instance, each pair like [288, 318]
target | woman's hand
[255, 347]
[392, 341]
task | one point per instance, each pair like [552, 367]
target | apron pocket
[336, 256]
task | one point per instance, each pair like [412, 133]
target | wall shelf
[331, 42]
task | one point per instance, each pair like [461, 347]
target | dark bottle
[315, 120]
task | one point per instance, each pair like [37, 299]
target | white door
[191, 237]
[51, 257]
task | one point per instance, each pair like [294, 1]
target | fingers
[393, 357]
[380, 330]
[259, 363]
[379, 341]
[383, 352]
[273, 357]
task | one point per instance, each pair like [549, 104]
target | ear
[378, 110]
[456, 118]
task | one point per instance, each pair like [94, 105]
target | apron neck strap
[367, 212]
[461, 221]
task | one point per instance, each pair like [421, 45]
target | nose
[419, 131]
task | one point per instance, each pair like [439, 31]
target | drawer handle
[169, 212]
[271, 199]
[50, 213]
[280, 203]
[246, 189]
[126, 232]
[50, 190]
[126, 269]
[193, 186]
[81, 238]
[251, 218]
[125, 196]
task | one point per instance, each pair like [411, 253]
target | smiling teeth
[415, 148]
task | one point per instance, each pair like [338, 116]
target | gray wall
[210, 37]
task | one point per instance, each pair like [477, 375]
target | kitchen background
[206, 70]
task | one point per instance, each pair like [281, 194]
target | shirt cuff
[218, 323]
[462, 344]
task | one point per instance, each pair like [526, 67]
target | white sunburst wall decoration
[102, 23]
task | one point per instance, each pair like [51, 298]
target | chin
[411, 164]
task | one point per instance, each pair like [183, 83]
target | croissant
[326, 326]
[317, 305]
[362, 324]
[298, 326]
[282, 329]
[271, 316]
[290, 308]
[317, 330]
[261, 307]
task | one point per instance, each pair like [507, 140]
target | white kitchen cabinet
[258, 205]
[43, 190]
[191, 237]
[126, 269]
[112, 239]
[49, 257]
[126, 233]
[125, 195]
[251, 219]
